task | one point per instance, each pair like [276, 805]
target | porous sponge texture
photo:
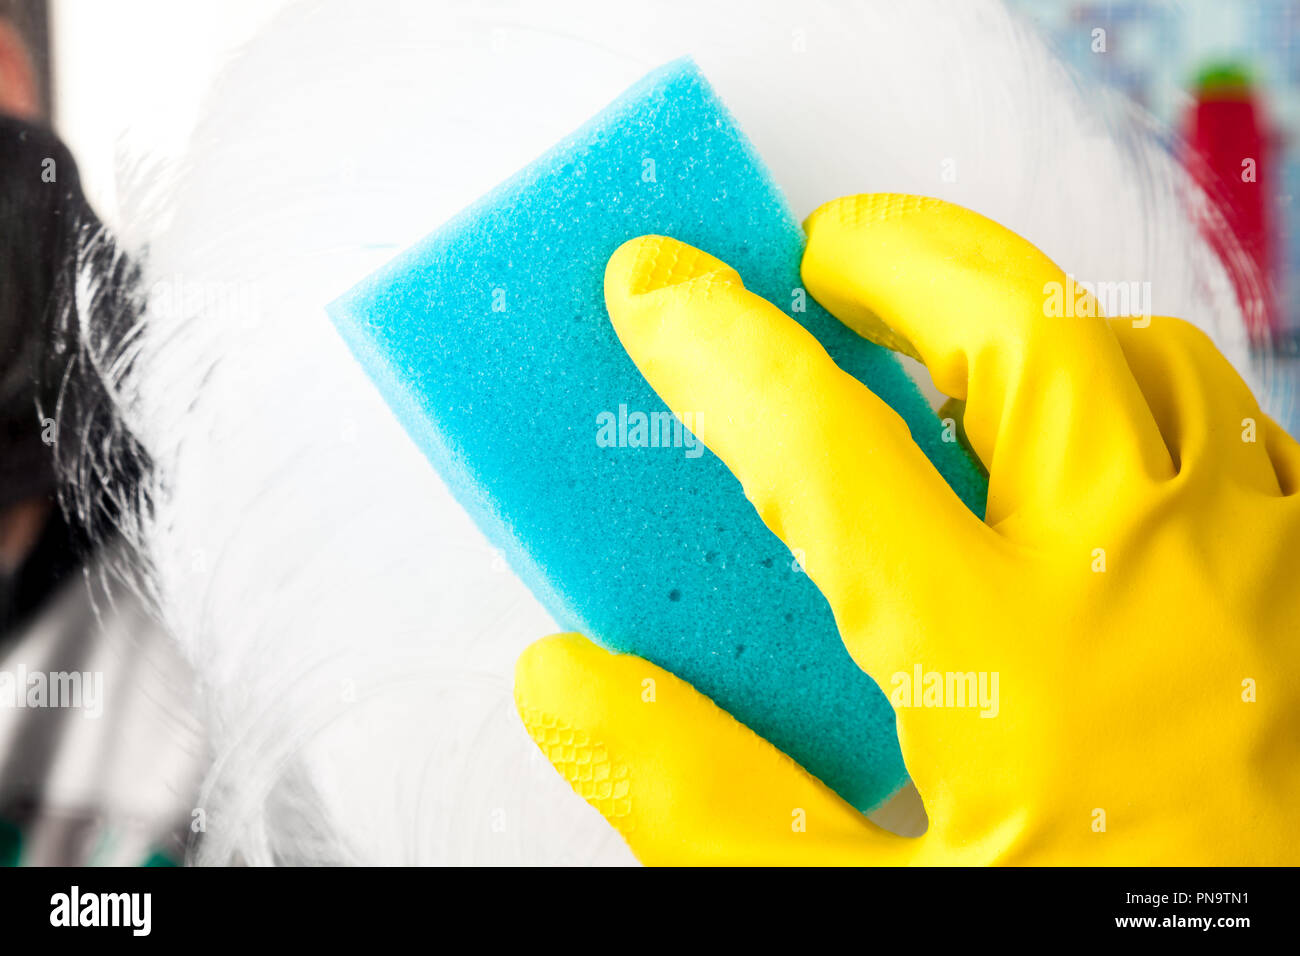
[490, 341]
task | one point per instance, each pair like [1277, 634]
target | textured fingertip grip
[585, 764]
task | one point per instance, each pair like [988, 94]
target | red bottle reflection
[1227, 132]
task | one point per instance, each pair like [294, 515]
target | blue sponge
[490, 341]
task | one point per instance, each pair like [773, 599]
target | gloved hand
[1133, 586]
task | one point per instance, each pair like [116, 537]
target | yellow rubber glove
[1133, 587]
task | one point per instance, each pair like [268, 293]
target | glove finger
[831, 469]
[1208, 416]
[1051, 408]
[678, 777]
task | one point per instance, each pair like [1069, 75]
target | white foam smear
[355, 633]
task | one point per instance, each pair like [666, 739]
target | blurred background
[127, 78]
[124, 81]
[1226, 76]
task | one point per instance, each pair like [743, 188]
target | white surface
[355, 632]
[130, 76]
